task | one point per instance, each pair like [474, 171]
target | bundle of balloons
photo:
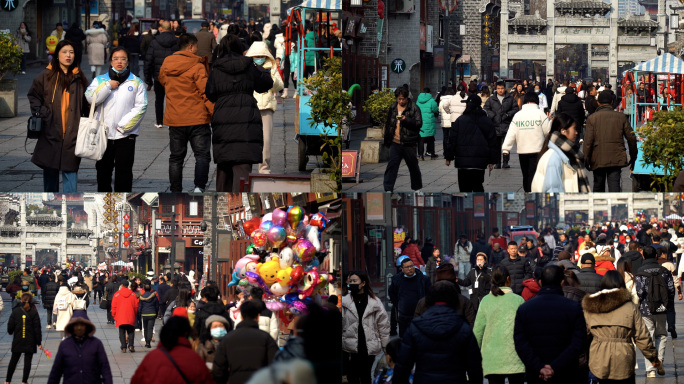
[282, 260]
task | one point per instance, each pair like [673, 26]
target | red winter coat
[124, 307]
[604, 264]
[413, 252]
[157, 368]
[530, 289]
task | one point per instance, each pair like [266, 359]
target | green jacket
[493, 330]
[428, 107]
[310, 56]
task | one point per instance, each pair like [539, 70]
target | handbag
[34, 126]
[91, 142]
[104, 303]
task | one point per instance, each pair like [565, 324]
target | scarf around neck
[119, 76]
[576, 159]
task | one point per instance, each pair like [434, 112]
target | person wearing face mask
[407, 288]
[365, 327]
[543, 101]
[218, 327]
[81, 357]
[122, 100]
[266, 101]
[211, 307]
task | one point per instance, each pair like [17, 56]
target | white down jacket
[124, 107]
[266, 100]
[375, 323]
[456, 106]
[446, 116]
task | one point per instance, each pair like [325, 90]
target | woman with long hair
[365, 327]
[57, 96]
[519, 94]
[122, 98]
[182, 300]
[456, 105]
[238, 137]
[23, 36]
[615, 323]
[624, 267]
[493, 330]
[24, 325]
[561, 164]
[485, 93]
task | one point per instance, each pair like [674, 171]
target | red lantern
[126, 226]
[127, 235]
[126, 243]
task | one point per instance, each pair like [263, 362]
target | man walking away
[162, 45]
[550, 333]
[604, 148]
[188, 112]
[571, 105]
[124, 309]
[501, 108]
[206, 43]
[590, 281]
[655, 288]
[110, 290]
[244, 350]
[528, 131]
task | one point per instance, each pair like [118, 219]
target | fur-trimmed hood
[90, 327]
[606, 300]
[604, 258]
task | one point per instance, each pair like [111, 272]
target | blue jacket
[443, 348]
[149, 304]
[550, 329]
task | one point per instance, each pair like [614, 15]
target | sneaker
[142, 340]
[197, 190]
[123, 350]
[48, 326]
[131, 349]
[505, 165]
[284, 95]
[651, 374]
[159, 126]
[23, 72]
[137, 330]
[661, 370]
[294, 96]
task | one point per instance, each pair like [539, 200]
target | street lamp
[674, 21]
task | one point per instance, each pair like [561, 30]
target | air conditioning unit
[402, 6]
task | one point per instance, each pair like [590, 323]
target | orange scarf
[65, 110]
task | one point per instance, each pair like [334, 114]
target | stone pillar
[589, 60]
[590, 197]
[613, 47]
[22, 224]
[472, 41]
[550, 39]
[503, 41]
[561, 209]
[661, 41]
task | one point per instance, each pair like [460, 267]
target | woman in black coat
[24, 324]
[472, 146]
[50, 289]
[238, 137]
[57, 94]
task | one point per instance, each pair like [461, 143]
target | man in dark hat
[590, 281]
[466, 309]
[604, 149]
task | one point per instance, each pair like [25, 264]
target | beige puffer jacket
[266, 100]
[375, 322]
[446, 116]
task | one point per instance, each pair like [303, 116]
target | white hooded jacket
[446, 116]
[266, 100]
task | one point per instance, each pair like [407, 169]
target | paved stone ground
[437, 177]
[123, 365]
[674, 348]
[150, 170]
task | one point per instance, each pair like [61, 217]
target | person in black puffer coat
[518, 267]
[24, 324]
[590, 281]
[148, 309]
[401, 137]
[472, 146]
[440, 344]
[550, 331]
[211, 307]
[238, 137]
[572, 105]
[163, 45]
[49, 291]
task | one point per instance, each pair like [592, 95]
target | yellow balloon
[51, 43]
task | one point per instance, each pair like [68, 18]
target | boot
[506, 157]
[284, 95]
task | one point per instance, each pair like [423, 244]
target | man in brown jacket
[604, 144]
[188, 112]
[206, 42]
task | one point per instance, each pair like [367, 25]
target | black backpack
[656, 289]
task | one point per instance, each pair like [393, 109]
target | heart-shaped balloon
[279, 217]
[251, 225]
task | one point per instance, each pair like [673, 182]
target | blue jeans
[51, 181]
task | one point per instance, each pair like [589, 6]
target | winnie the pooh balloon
[269, 271]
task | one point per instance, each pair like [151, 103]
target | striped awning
[665, 63]
[319, 4]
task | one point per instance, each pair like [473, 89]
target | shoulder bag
[91, 142]
[175, 365]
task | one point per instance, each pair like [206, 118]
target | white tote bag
[91, 142]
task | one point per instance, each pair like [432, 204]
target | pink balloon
[276, 235]
[279, 217]
[304, 250]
